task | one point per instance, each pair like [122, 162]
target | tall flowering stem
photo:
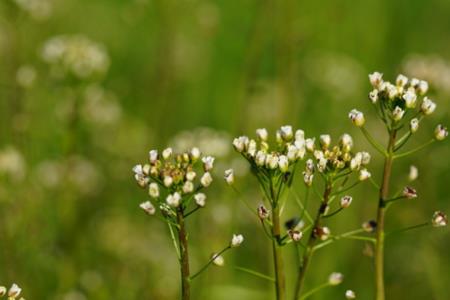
[401, 107]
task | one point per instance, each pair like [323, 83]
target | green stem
[255, 273]
[184, 257]
[414, 150]
[209, 262]
[314, 290]
[277, 258]
[174, 241]
[373, 142]
[408, 228]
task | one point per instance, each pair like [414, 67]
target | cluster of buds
[332, 161]
[289, 148]
[12, 293]
[173, 179]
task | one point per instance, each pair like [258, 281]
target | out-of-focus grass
[70, 226]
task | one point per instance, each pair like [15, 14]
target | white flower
[310, 165]
[251, 148]
[218, 260]
[208, 163]
[414, 125]
[167, 153]
[229, 176]
[272, 161]
[188, 187]
[263, 213]
[206, 179]
[14, 291]
[262, 134]
[364, 174]
[325, 140]
[174, 199]
[295, 235]
[346, 201]
[286, 132]
[168, 180]
[357, 117]
[392, 91]
[240, 143]
[410, 98]
[148, 207]
[153, 190]
[3, 291]
[346, 142]
[138, 170]
[414, 82]
[322, 164]
[401, 80]
[413, 173]
[356, 162]
[409, 192]
[260, 158]
[376, 79]
[365, 158]
[191, 175]
[373, 96]
[292, 153]
[237, 240]
[200, 199]
[335, 278]
[153, 156]
[283, 163]
[397, 113]
[309, 144]
[308, 178]
[422, 88]
[441, 132]
[299, 135]
[349, 294]
[428, 106]
[324, 233]
[439, 219]
[195, 153]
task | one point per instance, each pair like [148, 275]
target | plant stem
[184, 257]
[383, 196]
[311, 241]
[210, 262]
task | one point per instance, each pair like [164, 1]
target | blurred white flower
[26, 76]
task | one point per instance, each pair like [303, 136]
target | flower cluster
[76, 55]
[172, 179]
[12, 293]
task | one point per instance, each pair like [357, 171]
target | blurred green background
[70, 225]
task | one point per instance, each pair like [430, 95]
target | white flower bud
[325, 140]
[440, 133]
[308, 178]
[153, 190]
[218, 260]
[346, 142]
[174, 199]
[195, 154]
[322, 164]
[428, 106]
[263, 213]
[262, 134]
[240, 143]
[206, 179]
[148, 207]
[272, 161]
[422, 88]
[292, 153]
[168, 180]
[376, 79]
[14, 291]
[229, 176]
[410, 98]
[356, 162]
[414, 125]
[309, 144]
[295, 235]
[414, 82]
[252, 148]
[208, 163]
[299, 135]
[286, 132]
[237, 240]
[392, 91]
[167, 153]
[409, 192]
[401, 80]
[369, 226]
[397, 113]
[335, 278]
[191, 175]
[364, 174]
[310, 165]
[365, 158]
[3, 291]
[283, 163]
[373, 96]
[439, 219]
[153, 156]
[349, 294]
[357, 117]
[260, 158]
[346, 201]
[138, 170]
[413, 173]
[188, 187]
[200, 199]
[324, 233]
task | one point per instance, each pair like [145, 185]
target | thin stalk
[373, 142]
[184, 257]
[255, 273]
[210, 262]
[307, 256]
[314, 290]
[408, 228]
[383, 196]
[414, 150]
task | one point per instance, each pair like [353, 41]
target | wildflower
[346, 201]
[153, 156]
[167, 153]
[401, 80]
[309, 144]
[439, 219]
[414, 125]
[308, 178]
[206, 179]
[14, 291]
[295, 235]
[3, 291]
[364, 174]
[441, 132]
[208, 163]
[323, 233]
[262, 134]
[252, 148]
[335, 278]
[218, 260]
[365, 158]
[292, 153]
[322, 164]
[286, 132]
[410, 98]
[229, 176]
[357, 117]
[240, 143]
[260, 158]
[195, 154]
[148, 207]
[325, 140]
[263, 213]
[283, 163]
[369, 226]
[397, 113]
[272, 161]
[153, 190]
[392, 91]
[174, 199]
[310, 166]
[200, 199]
[168, 180]
[346, 142]
[299, 135]
[428, 106]
[237, 240]
[376, 79]
[349, 294]
[409, 192]
[373, 96]
[188, 187]
[422, 88]
[191, 175]
[413, 173]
